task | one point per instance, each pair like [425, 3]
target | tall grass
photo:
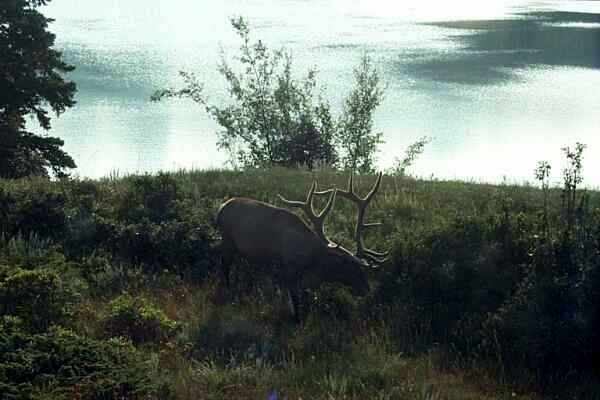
[490, 291]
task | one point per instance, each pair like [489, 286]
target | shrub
[26, 251]
[275, 119]
[333, 301]
[177, 245]
[60, 364]
[152, 225]
[225, 334]
[105, 277]
[322, 337]
[38, 297]
[150, 198]
[412, 152]
[550, 324]
[89, 225]
[451, 274]
[28, 211]
[138, 319]
[86, 231]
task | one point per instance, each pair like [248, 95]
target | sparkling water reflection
[497, 86]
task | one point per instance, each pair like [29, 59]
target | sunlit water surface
[498, 87]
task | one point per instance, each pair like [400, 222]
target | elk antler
[362, 203]
[307, 206]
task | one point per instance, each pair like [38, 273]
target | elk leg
[294, 304]
[295, 294]
[289, 278]
[226, 261]
[227, 253]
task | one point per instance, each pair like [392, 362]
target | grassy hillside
[109, 289]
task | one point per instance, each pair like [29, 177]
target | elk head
[339, 264]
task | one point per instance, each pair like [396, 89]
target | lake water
[498, 87]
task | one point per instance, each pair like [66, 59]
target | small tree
[542, 174]
[30, 83]
[355, 128]
[572, 178]
[411, 154]
[275, 119]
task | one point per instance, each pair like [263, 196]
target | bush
[38, 297]
[60, 364]
[150, 198]
[173, 245]
[275, 119]
[451, 275]
[38, 211]
[550, 325]
[334, 302]
[138, 320]
[225, 335]
[86, 231]
[147, 223]
[28, 251]
[105, 278]
[322, 337]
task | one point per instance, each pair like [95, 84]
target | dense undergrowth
[108, 290]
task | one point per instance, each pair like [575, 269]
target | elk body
[263, 233]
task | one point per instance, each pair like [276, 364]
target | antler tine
[300, 204]
[362, 203]
[316, 220]
[376, 260]
[351, 183]
[374, 189]
[309, 198]
[349, 193]
[376, 253]
[328, 206]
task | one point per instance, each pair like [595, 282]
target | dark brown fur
[263, 233]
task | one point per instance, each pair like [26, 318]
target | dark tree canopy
[31, 84]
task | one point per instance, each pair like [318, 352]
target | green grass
[463, 255]
[370, 367]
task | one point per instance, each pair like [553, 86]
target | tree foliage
[412, 152]
[276, 119]
[31, 84]
[355, 128]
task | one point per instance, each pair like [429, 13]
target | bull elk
[261, 232]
